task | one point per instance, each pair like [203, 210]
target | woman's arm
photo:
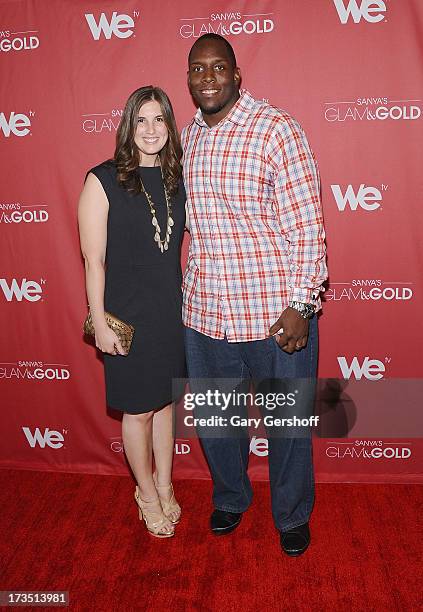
[93, 211]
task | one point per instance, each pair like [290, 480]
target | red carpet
[81, 533]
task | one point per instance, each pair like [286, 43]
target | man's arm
[297, 196]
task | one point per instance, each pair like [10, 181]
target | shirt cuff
[302, 294]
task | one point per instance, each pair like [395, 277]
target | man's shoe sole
[224, 530]
[296, 553]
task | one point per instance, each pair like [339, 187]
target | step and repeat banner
[350, 71]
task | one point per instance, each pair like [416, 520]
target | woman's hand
[107, 341]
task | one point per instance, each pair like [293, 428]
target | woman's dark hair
[127, 155]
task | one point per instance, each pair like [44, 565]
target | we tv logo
[371, 11]
[259, 446]
[17, 124]
[372, 369]
[51, 438]
[121, 25]
[28, 290]
[367, 198]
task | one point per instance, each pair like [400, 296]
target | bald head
[216, 38]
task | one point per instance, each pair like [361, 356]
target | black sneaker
[296, 540]
[222, 522]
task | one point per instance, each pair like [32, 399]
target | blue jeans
[290, 459]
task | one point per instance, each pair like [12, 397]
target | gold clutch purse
[123, 331]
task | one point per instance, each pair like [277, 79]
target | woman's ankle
[161, 481]
[147, 494]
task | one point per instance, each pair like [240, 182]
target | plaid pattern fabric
[257, 236]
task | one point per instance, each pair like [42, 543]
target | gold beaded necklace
[163, 244]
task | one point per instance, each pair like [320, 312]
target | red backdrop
[349, 70]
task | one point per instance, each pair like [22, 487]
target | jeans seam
[311, 357]
[242, 475]
[295, 524]
[239, 445]
[230, 509]
[308, 501]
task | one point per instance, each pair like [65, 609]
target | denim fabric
[290, 458]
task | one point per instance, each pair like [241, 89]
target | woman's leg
[163, 443]
[137, 436]
[137, 441]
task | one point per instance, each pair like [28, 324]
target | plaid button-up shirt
[257, 236]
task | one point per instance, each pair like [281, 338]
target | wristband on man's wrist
[305, 310]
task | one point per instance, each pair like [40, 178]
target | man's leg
[290, 458]
[209, 360]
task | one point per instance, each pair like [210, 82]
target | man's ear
[237, 74]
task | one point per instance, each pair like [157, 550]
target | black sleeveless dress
[143, 287]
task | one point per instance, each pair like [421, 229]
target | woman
[131, 219]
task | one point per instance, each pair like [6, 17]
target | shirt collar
[238, 114]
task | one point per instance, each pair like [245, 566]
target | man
[256, 266]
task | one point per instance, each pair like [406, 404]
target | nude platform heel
[153, 515]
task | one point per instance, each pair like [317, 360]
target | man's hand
[294, 328]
